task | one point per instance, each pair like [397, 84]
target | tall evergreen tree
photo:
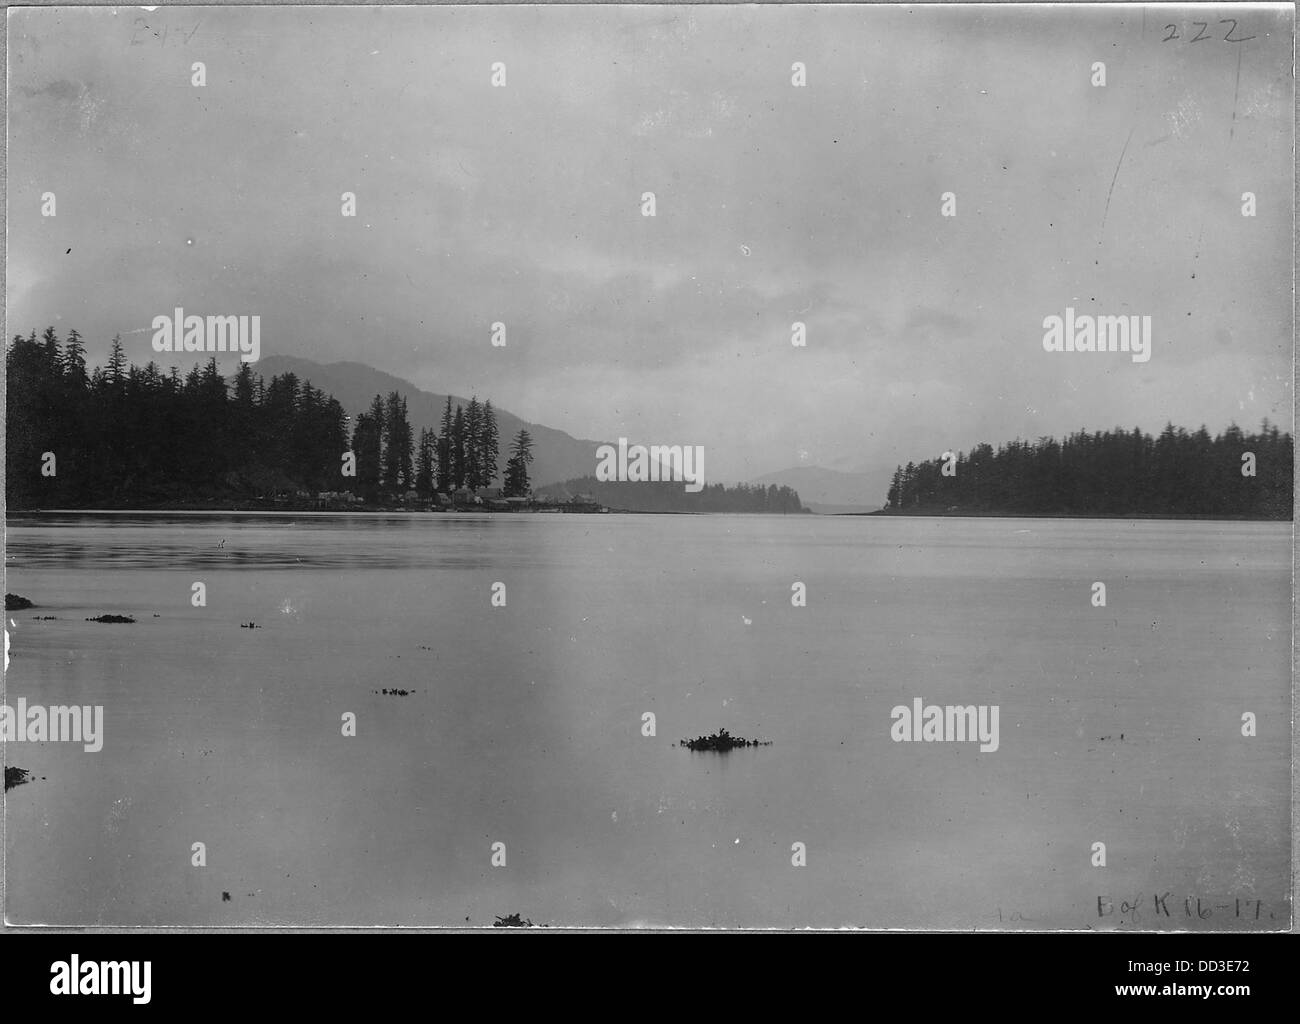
[244, 389]
[458, 449]
[521, 454]
[444, 449]
[74, 362]
[398, 446]
[367, 445]
[116, 362]
[489, 447]
[426, 463]
[473, 444]
[51, 350]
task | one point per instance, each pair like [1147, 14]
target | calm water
[524, 727]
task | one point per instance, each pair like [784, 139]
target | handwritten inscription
[1203, 33]
[142, 33]
[1167, 906]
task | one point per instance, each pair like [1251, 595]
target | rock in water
[16, 603]
[722, 741]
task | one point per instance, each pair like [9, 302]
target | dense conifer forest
[1115, 473]
[125, 436]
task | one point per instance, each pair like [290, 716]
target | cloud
[774, 204]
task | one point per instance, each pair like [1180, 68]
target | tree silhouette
[1112, 473]
[130, 437]
[521, 454]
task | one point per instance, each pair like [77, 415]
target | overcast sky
[774, 204]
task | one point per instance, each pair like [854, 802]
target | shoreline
[1172, 517]
[560, 509]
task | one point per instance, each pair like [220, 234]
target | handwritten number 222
[1202, 34]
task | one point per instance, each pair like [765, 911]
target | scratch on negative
[1115, 177]
[1235, 88]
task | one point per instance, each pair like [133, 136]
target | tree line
[465, 454]
[667, 496]
[1116, 472]
[129, 436]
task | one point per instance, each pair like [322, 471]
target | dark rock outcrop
[722, 741]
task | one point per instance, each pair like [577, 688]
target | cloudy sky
[820, 204]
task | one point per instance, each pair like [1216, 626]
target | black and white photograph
[649, 467]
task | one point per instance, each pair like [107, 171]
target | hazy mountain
[556, 455]
[833, 490]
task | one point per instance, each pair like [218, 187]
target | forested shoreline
[1113, 473]
[129, 437]
[665, 496]
[124, 436]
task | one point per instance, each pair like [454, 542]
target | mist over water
[523, 724]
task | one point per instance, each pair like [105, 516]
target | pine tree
[367, 445]
[521, 454]
[244, 386]
[489, 449]
[444, 450]
[51, 351]
[117, 363]
[458, 450]
[74, 362]
[398, 445]
[426, 459]
[473, 444]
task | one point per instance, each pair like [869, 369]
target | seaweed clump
[112, 618]
[15, 777]
[511, 921]
[16, 603]
[722, 741]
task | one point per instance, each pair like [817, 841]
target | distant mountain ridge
[832, 490]
[557, 456]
